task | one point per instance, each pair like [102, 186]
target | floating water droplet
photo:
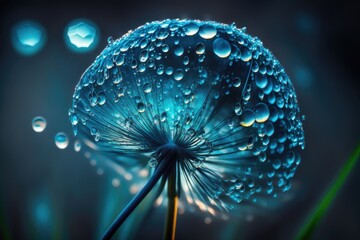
[81, 35]
[207, 32]
[38, 124]
[28, 38]
[61, 140]
[221, 48]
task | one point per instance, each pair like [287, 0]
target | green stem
[323, 205]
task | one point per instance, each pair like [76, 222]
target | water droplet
[163, 117]
[200, 48]
[179, 74]
[144, 55]
[165, 48]
[77, 146]
[186, 60]
[262, 112]
[247, 118]
[207, 31]
[38, 124]
[261, 80]
[141, 107]
[74, 119]
[147, 88]
[101, 99]
[191, 29]
[110, 40]
[179, 50]
[237, 82]
[245, 54]
[119, 60]
[221, 48]
[118, 78]
[81, 35]
[169, 71]
[61, 140]
[238, 109]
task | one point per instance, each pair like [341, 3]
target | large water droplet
[247, 118]
[61, 140]
[245, 54]
[261, 80]
[38, 124]
[222, 48]
[207, 31]
[191, 29]
[262, 112]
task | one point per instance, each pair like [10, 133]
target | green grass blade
[321, 208]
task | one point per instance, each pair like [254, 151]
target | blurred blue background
[48, 193]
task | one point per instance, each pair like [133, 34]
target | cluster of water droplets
[213, 91]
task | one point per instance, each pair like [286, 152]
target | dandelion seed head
[210, 94]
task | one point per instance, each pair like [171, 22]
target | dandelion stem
[163, 165]
[173, 199]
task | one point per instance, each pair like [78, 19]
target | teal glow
[28, 38]
[81, 35]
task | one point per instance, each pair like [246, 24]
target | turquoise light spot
[28, 38]
[81, 35]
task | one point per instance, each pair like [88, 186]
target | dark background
[316, 43]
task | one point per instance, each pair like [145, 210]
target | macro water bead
[205, 97]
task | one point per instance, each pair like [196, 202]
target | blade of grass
[321, 208]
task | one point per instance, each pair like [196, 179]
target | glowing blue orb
[206, 93]
[81, 35]
[28, 38]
